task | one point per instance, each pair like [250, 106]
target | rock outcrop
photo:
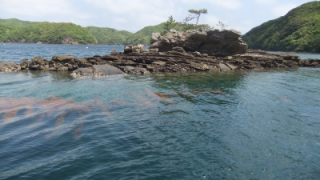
[24, 64]
[212, 42]
[194, 50]
[139, 61]
[8, 66]
[131, 48]
[177, 60]
[64, 63]
[39, 63]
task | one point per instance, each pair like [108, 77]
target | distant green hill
[15, 30]
[5, 32]
[143, 36]
[16, 22]
[299, 30]
[52, 33]
[109, 35]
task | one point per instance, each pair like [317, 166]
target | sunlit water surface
[238, 125]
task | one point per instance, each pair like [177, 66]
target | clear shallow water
[302, 55]
[162, 126]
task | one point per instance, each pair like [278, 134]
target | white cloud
[57, 10]
[34, 7]
[266, 2]
[120, 20]
[210, 19]
[132, 15]
[227, 4]
[283, 9]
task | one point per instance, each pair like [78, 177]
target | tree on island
[221, 25]
[196, 14]
[170, 24]
[183, 26]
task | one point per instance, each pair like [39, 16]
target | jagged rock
[136, 49]
[134, 70]
[128, 49]
[64, 63]
[8, 66]
[24, 64]
[226, 42]
[114, 52]
[178, 49]
[154, 37]
[39, 63]
[64, 59]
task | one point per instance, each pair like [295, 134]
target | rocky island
[190, 51]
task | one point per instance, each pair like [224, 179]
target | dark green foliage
[197, 14]
[170, 24]
[4, 32]
[299, 30]
[192, 26]
[52, 33]
[109, 35]
[143, 36]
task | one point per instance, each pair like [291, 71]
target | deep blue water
[162, 126]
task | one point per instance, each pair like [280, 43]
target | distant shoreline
[304, 52]
[63, 44]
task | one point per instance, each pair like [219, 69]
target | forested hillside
[143, 36]
[16, 22]
[52, 33]
[299, 30]
[14, 30]
[109, 35]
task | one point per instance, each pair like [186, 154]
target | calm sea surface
[162, 126]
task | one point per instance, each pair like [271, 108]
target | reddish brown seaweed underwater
[15, 109]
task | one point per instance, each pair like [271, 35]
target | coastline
[63, 44]
[289, 52]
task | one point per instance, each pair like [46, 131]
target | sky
[133, 15]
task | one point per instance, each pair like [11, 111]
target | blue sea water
[161, 126]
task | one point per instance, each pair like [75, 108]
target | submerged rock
[97, 71]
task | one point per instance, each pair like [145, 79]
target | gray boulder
[223, 67]
[131, 48]
[213, 42]
[155, 37]
[106, 70]
[8, 66]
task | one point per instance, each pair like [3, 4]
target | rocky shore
[190, 51]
